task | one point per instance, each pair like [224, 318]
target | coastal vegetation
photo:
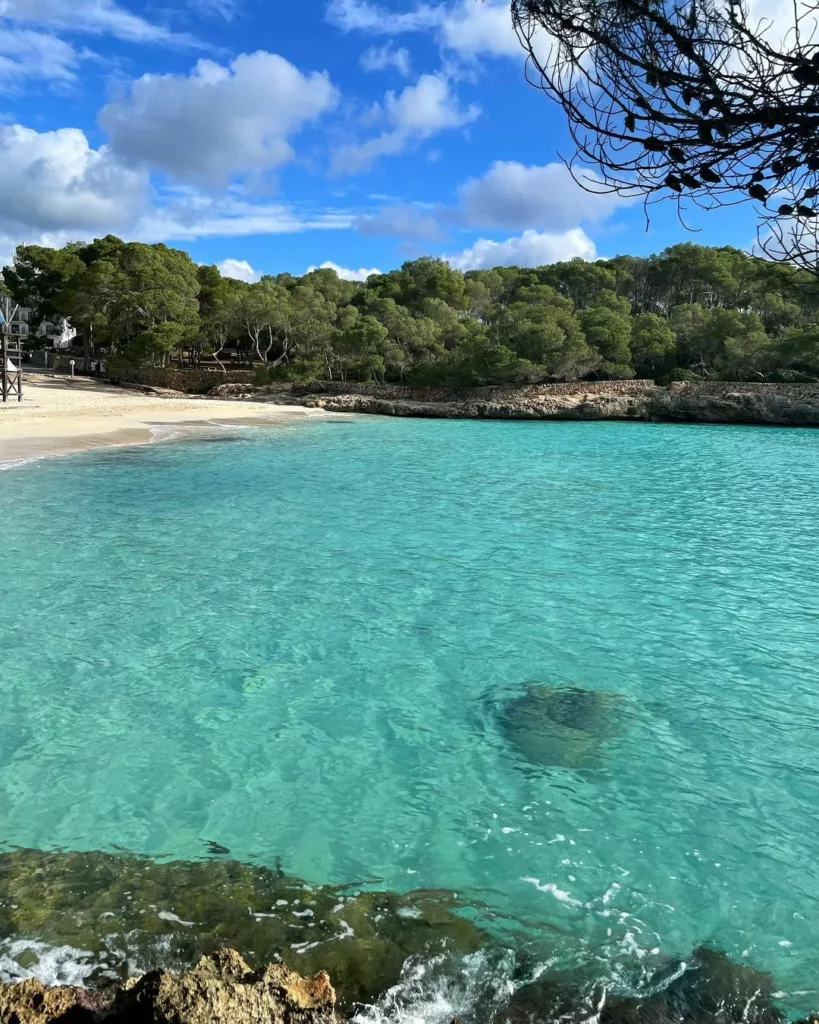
[690, 312]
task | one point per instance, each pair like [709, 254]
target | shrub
[680, 374]
[791, 377]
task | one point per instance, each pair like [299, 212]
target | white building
[57, 334]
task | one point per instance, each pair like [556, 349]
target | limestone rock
[773, 404]
[31, 1002]
[222, 989]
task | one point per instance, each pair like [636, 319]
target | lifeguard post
[11, 363]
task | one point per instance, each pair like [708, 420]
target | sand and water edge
[60, 415]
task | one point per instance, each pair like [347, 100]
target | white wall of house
[57, 334]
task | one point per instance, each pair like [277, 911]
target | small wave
[439, 989]
[52, 965]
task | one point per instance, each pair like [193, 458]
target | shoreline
[60, 416]
[642, 401]
[142, 919]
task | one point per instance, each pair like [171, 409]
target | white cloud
[199, 215]
[415, 114]
[531, 249]
[381, 58]
[428, 107]
[513, 195]
[55, 187]
[473, 29]
[344, 272]
[217, 122]
[467, 27]
[239, 270]
[224, 8]
[94, 17]
[55, 182]
[363, 16]
[509, 196]
[28, 54]
[403, 219]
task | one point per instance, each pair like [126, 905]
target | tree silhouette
[688, 98]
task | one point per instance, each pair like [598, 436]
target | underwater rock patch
[564, 726]
[134, 914]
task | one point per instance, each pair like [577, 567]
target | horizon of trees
[689, 311]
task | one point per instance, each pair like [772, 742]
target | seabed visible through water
[521, 702]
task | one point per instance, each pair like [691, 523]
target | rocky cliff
[771, 404]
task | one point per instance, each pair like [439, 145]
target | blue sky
[267, 135]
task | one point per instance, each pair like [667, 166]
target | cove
[300, 645]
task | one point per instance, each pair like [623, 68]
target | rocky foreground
[749, 403]
[220, 989]
[223, 989]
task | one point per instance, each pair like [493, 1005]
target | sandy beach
[59, 415]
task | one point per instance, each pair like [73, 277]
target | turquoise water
[298, 643]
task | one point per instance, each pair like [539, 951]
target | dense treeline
[713, 312]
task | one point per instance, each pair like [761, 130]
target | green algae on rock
[134, 914]
[563, 726]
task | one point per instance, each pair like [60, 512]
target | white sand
[59, 415]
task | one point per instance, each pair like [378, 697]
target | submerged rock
[713, 986]
[133, 914]
[220, 989]
[563, 726]
[709, 988]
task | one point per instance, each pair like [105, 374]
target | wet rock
[220, 989]
[563, 726]
[31, 1002]
[577, 998]
[633, 1010]
[223, 989]
[554, 996]
[134, 914]
[708, 988]
[714, 987]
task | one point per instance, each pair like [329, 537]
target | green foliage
[652, 340]
[690, 311]
[609, 333]
[38, 275]
[679, 374]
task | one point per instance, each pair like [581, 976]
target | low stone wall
[723, 402]
[406, 393]
[177, 379]
[533, 392]
[200, 381]
[801, 392]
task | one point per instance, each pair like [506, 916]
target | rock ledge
[220, 989]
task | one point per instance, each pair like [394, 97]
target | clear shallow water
[296, 643]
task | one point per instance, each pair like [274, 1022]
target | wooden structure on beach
[11, 360]
[11, 369]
